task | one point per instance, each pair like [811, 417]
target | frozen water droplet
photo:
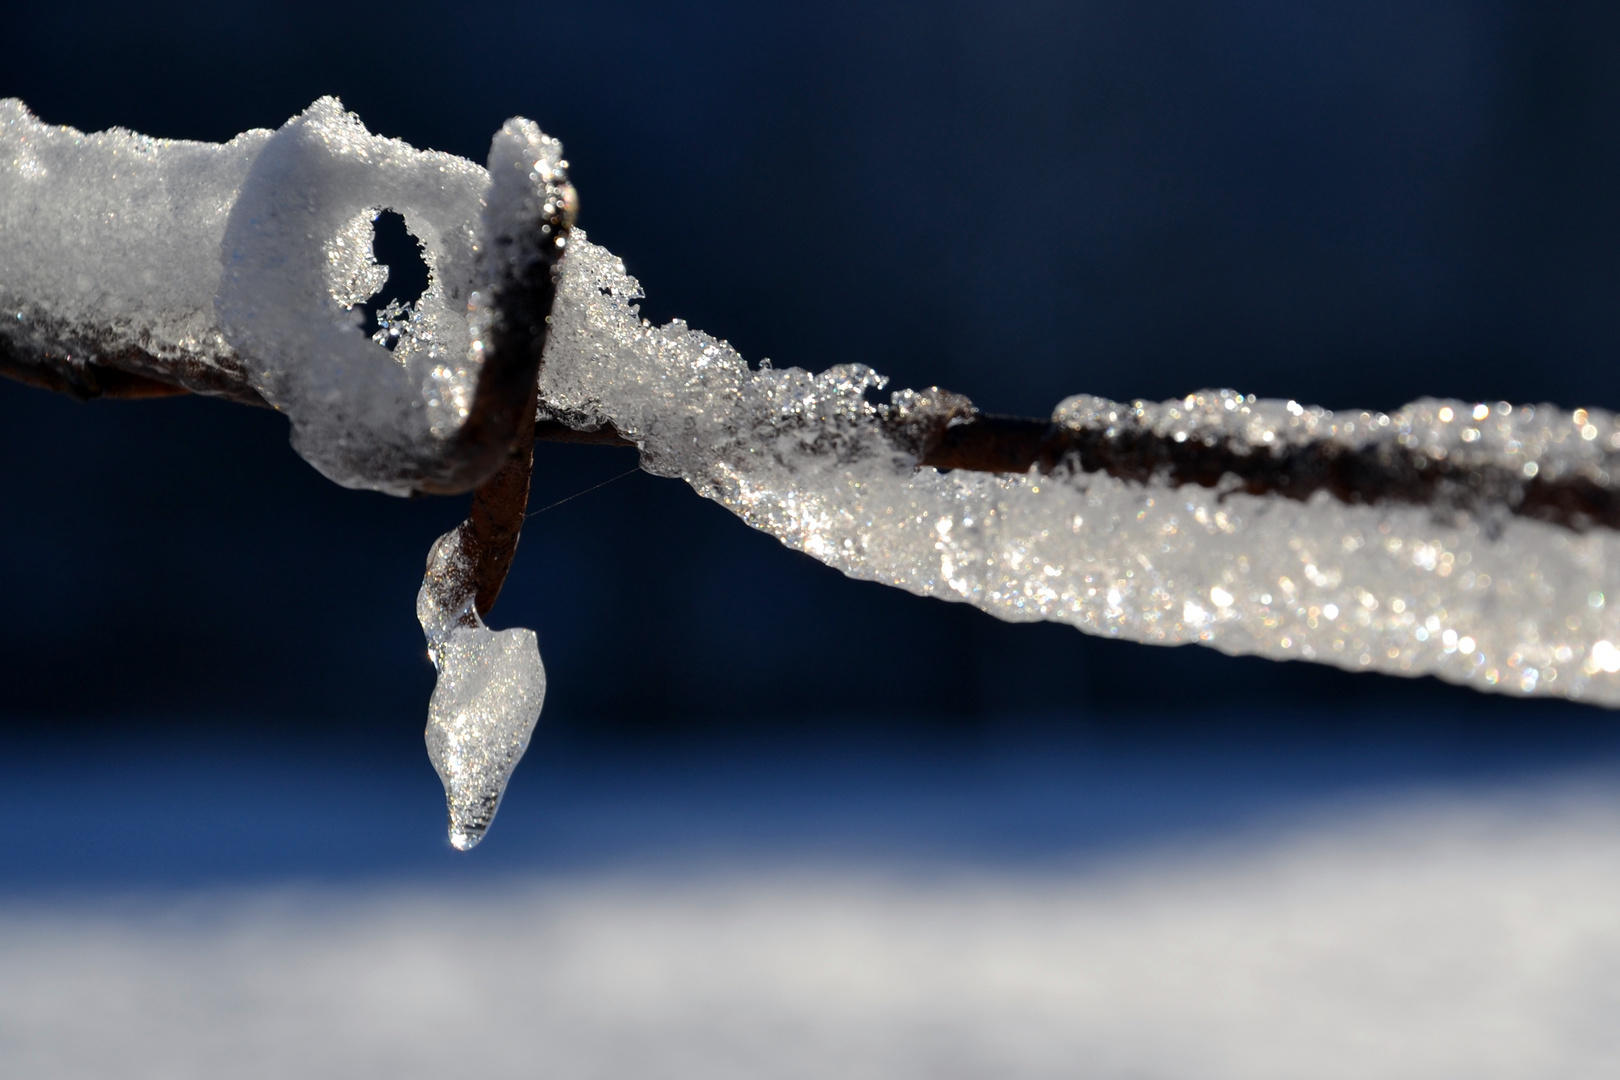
[490, 690]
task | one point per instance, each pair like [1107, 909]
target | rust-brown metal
[495, 519]
[981, 442]
[952, 435]
[1379, 473]
[1383, 473]
[127, 373]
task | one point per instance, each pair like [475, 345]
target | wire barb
[587, 491]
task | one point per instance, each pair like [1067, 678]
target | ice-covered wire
[1475, 541]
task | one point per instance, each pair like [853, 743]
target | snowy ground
[1436, 927]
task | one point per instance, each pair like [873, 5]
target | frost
[235, 269]
[490, 689]
[353, 273]
[1474, 541]
[111, 241]
[363, 416]
[1481, 596]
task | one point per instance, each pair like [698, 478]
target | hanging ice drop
[489, 693]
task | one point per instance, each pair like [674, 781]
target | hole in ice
[394, 247]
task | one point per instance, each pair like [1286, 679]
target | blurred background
[776, 822]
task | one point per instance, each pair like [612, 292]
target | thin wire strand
[587, 491]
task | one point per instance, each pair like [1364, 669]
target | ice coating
[362, 415]
[1480, 595]
[234, 269]
[528, 189]
[490, 689]
[110, 242]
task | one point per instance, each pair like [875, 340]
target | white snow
[252, 254]
[1438, 939]
[248, 258]
[1506, 603]
[528, 178]
[110, 241]
[363, 416]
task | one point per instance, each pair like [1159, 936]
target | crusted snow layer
[528, 186]
[490, 689]
[1505, 602]
[111, 241]
[246, 260]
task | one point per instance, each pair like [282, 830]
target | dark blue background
[1351, 203]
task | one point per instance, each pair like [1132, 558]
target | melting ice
[1499, 602]
[489, 693]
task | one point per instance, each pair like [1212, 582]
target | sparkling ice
[235, 269]
[1493, 600]
[489, 693]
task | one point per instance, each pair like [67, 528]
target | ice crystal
[1484, 553]
[488, 696]
[240, 264]
[111, 241]
[1476, 595]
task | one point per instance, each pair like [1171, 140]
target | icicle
[234, 269]
[490, 689]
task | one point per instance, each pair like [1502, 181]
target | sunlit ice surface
[1210, 896]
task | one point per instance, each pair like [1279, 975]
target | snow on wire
[1473, 541]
